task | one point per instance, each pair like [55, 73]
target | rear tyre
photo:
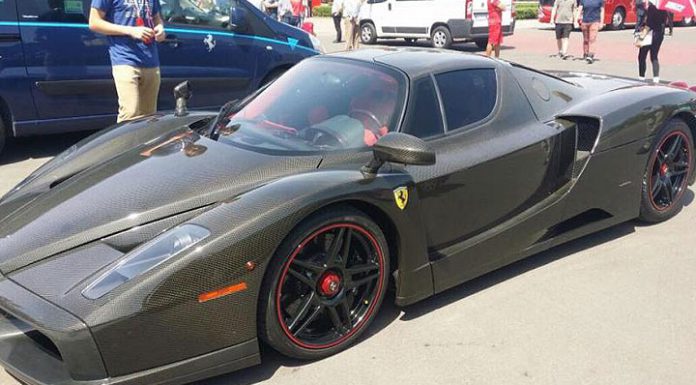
[441, 37]
[618, 19]
[325, 285]
[368, 33]
[481, 43]
[667, 174]
[688, 21]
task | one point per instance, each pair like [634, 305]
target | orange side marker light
[215, 294]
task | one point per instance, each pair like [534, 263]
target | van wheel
[481, 43]
[368, 33]
[3, 135]
[441, 37]
[687, 21]
[618, 19]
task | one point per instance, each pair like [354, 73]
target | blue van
[55, 74]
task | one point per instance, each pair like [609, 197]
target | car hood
[119, 189]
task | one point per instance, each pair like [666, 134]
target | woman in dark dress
[657, 21]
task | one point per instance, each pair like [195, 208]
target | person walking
[656, 21]
[563, 14]
[592, 12]
[351, 16]
[133, 28]
[337, 14]
[495, 28]
[641, 6]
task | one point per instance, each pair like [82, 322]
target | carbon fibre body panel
[522, 180]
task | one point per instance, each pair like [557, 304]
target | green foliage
[323, 10]
[527, 11]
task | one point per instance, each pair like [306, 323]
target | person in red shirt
[495, 31]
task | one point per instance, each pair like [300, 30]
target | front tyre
[667, 174]
[325, 285]
[368, 33]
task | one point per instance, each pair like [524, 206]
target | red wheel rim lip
[686, 177]
[370, 310]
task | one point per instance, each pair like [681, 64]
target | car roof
[416, 62]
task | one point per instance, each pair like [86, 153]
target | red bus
[617, 13]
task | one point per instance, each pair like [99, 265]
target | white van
[441, 21]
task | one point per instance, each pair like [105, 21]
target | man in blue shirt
[592, 12]
[133, 28]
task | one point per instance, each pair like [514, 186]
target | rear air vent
[587, 137]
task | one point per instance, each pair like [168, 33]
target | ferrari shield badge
[401, 197]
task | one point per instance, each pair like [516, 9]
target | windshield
[319, 105]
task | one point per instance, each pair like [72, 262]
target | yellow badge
[401, 197]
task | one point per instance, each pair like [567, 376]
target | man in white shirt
[351, 16]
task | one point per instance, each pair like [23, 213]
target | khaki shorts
[138, 89]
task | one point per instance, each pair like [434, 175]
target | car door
[14, 84]
[379, 11]
[68, 65]
[201, 47]
[412, 17]
[495, 163]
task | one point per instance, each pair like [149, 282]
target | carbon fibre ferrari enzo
[165, 249]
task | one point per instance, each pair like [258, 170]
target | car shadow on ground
[21, 149]
[272, 361]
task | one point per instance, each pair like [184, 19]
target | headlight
[316, 43]
[147, 257]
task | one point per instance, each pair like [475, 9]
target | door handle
[389, 6]
[172, 41]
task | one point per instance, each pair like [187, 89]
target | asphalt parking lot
[616, 307]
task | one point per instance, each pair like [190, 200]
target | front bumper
[42, 344]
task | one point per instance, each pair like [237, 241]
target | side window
[8, 11]
[423, 118]
[55, 11]
[468, 96]
[203, 13]
[211, 14]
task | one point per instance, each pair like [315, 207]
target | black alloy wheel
[325, 285]
[667, 175]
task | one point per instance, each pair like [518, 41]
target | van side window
[423, 118]
[55, 11]
[468, 96]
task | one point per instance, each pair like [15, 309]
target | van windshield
[321, 104]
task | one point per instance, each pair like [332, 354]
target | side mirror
[238, 19]
[182, 93]
[401, 148]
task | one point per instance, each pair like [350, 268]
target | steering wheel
[322, 137]
[371, 116]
